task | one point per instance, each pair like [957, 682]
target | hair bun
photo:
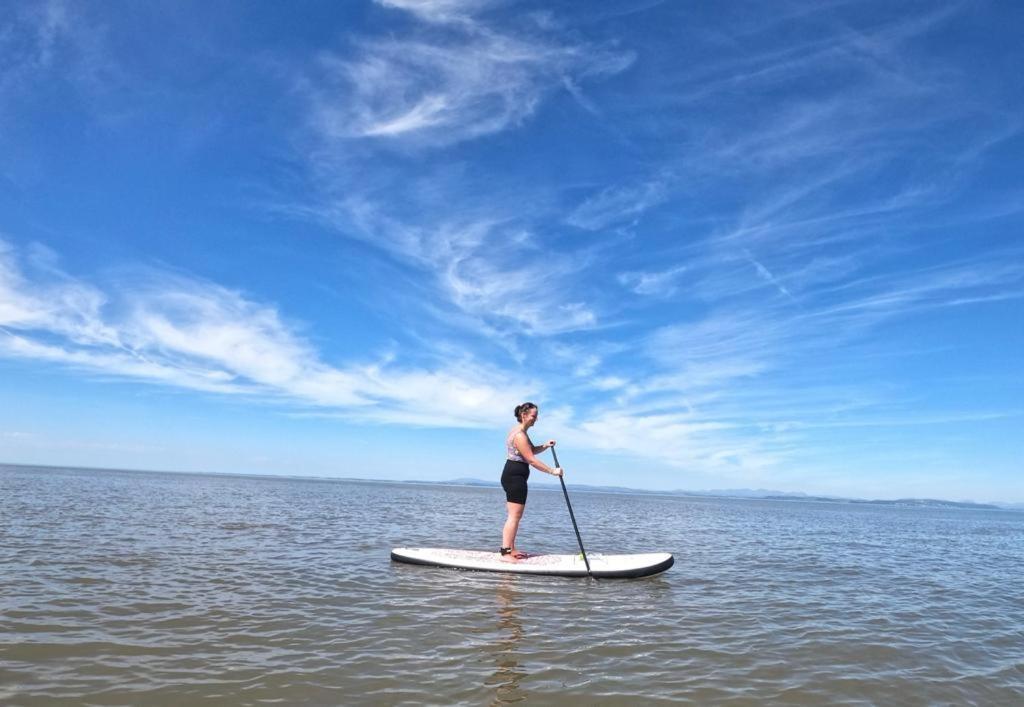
[521, 408]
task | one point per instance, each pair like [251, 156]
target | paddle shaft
[572, 516]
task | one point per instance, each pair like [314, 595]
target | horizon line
[733, 494]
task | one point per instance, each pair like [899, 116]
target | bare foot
[509, 558]
[520, 554]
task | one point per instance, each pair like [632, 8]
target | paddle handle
[572, 516]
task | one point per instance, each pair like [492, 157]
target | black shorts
[513, 480]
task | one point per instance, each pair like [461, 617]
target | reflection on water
[507, 674]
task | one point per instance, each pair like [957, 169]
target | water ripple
[129, 588]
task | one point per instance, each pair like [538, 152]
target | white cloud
[531, 297]
[617, 205]
[746, 388]
[433, 91]
[440, 11]
[192, 334]
[663, 283]
[766, 275]
[680, 440]
[452, 76]
[486, 267]
[610, 383]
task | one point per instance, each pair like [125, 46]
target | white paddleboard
[556, 565]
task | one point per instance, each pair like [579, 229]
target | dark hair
[520, 409]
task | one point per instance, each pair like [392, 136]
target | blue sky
[766, 245]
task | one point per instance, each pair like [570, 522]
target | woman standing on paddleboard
[519, 457]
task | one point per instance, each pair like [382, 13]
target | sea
[145, 588]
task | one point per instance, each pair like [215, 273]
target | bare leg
[508, 533]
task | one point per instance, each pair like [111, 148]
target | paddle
[573, 517]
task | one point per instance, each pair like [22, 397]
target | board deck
[607, 566]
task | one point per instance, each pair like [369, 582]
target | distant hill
[466, 482]
[899, 502]
[763, 494]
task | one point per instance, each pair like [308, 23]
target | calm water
[138, 588]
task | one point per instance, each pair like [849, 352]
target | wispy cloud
[193, 334]
[832, 313]
[740, 390]
[750, 60]
[619, 204]
[766, 275]
[486, 268]
[441, 11]
[55, 40]
[30, 39]
[531, 296]
[683, 441]
[662, 283]
[452, 77]
[454, 81]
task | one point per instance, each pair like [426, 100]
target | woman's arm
[526, 451]
[538, 448]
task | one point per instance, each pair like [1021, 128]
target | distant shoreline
[733, 494]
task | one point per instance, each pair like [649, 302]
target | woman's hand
[550, 443]
[558, 471]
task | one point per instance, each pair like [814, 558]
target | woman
[520, 456]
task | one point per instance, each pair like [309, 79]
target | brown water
[143, 588]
